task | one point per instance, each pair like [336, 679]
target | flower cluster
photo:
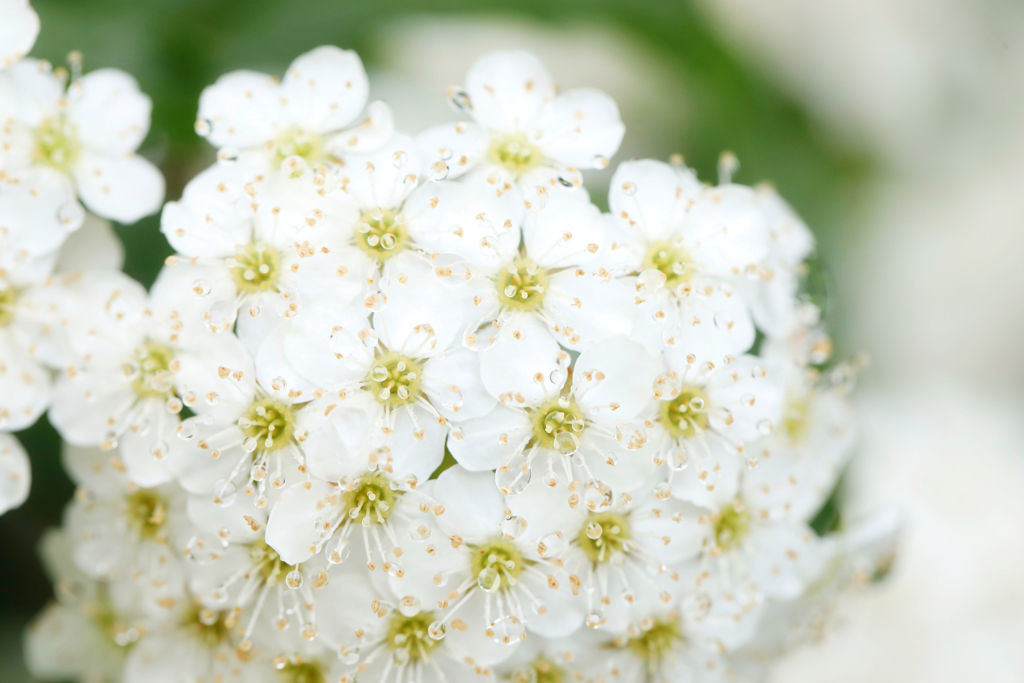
[412, 408]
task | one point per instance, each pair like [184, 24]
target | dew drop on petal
[224, 493]
[513, 476]
[438, 171]
[459, 100]
[159, 449]
[597, 495]
[187, 430]
[409, 606]
[512, 527]
[202, 287]
[227, 156]
[70, 213]
[293, 578]
[764, 427]
[203, 127]
[437, 630]
[489, 580]
[507, 630]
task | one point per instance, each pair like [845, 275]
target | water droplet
[409, 605]
[224, 493]
[314, 218]
[489, 580]
[203, 127]
[70, 215]
[459, 100]
[220, 317]
[566, 443]
[339, 551]
[399, 158]
[419, 531]
[723, 321]
[187, 430]
[513, 476]
[293, 578]
[227, 156]
[765, 427]
[512, 527]
[629, 188]
[249, 444]
[437, 630]
[600, 162]
[159, 449]
[438, 171]
[757, 372]
[202, 287]
[597, 495]
[677, 459]
[594, 531]
[507, 630]
[552, 545]
[376, 301]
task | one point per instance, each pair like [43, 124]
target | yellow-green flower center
[56, 143]
[208, 626]
[521, 285]
[687, 414]
[255, 268]
[268, 563]
[270, 422]
[540, 670]
[302, 672]
[496, 565]
[652, 644]
[409, 635]
[382, 233]
[605, 535]
[8, 300]
[146, 511]
[515, 152]
[371, 501]
[557, 424]
[395, 379]
[300, 143]
[794, 419]
[149, 371]
[672, 260]
[731, 526]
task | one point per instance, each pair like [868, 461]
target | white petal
[711, 325]
[460, 146]
[711, 478]
[307, 344]
[201, 375]
[455, 376]
[15, 473]
[39, 211]
[564, 612]
[473, 506]
[206, 222]
[137, 447]
[291, 527]
[417, 444]
[84, 406]
[650, 198]
[792, 240]
[521, 361]
[546, 511]
[488, 441]
[567, 231]
[94, 245]
[243, 109]
[588, 309]
[375, 180]
[99, 472]
[752, 389]
[725, 230]
[785, 559]
[109, 112]
[36, 91]
[339, 447]
[325, 89]
[421, 317]
[507, 90]
[19, 27]
[370, 134]
[123, 188]
[579, 126]
[617, 376]
[24, 386]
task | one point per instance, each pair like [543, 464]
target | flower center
[731, 526]
[148, 372]
[267, 562]
[382, 233]
[56, 143]
[538, 671]
[672, 260]
[255, 268]
[521, 285]
[395, 379]
[372, 500]
[302, 672]
[794, 419]
[8, 300]
[685, 415]
[408, 636]
[146, 511]
[209, 626]
[515, 153]
[300, 143]
[556, 424]
[605, 535]
[271, 423]
[654, 643]
[496, 565]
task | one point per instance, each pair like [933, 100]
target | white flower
[488, 560]
[585, 435]
[620, 552]
[88, 134]
[15, 473]
[251, 242]
[19, 27]
[310, 114]
[706, 413]
[141, 360]
[387, 638]
[523, 129]
[39, 210]
[127, 534]
[87, 632]
[359, 484]
[692, 247]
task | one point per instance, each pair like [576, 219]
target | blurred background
[894, 127]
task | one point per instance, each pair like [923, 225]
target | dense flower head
[411, 407]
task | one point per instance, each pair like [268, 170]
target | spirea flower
[412, 409]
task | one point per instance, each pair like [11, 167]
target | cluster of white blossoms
[412, 409]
